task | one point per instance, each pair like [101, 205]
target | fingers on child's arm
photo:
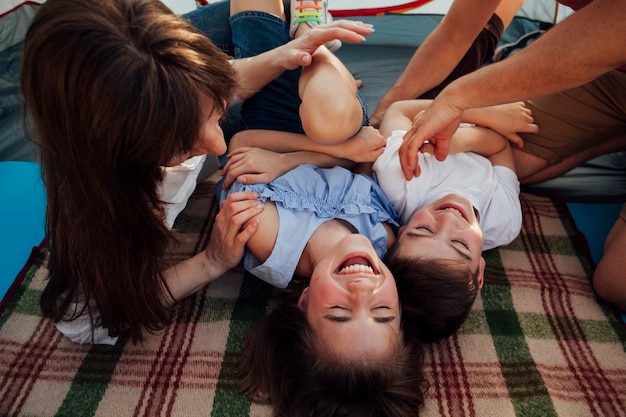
[230, 175]
[516, 139]
[441, 149]
[239, 205]
[427, 147]
[261, 178]
[408, 159]
[247, 232]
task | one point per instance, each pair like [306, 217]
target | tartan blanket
[537, 342]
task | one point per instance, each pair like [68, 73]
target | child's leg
[331, 111]
[254, 31]
[212, 21]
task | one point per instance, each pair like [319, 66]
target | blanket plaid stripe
[537, 341]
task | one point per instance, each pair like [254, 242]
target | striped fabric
[537, 342]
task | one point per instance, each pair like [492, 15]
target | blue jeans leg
[212, 21]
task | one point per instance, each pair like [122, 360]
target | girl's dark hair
[114, 89]
[280, 366]
[436, 295]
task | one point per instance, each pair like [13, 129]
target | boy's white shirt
[492, 190]
[178, 184]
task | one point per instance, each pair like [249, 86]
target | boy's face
[446, 228]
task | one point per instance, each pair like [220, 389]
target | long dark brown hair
[113, 89]
[436, 295]
[281, 366]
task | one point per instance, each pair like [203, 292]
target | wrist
[453, 96]
[210, 266]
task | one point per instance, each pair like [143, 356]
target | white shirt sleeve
[503, 223]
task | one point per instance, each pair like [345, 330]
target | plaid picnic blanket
[537, 342]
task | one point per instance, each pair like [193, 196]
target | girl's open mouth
[356, 264]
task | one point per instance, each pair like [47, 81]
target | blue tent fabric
[22, 217]
[14, 145]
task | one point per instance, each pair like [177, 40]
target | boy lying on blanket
[453, 211]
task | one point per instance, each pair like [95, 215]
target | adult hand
[435, 125]
[233, 227]
[298, 52]
[254, 166]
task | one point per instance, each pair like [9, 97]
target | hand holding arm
[436, 125]
[255, 72]
[225, 248]
[577, 50]
[506, 119]
[440, 52]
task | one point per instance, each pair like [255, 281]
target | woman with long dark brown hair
[116, 91]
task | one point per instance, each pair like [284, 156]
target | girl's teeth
[357, 268]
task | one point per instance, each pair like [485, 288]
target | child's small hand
[254, 166]
[511, 119]
[367, 145]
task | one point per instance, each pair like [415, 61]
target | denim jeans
[276, 106]
[212, 21]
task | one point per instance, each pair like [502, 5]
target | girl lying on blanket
[341, 342]
[338, 343]
[316, 349]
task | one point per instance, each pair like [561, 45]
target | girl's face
[446, 228]
[211, 137]
[352, 303]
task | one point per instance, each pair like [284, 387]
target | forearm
[485, 142]
[291, 154]
[321, 160]
[276, 141]
[442, 50]
[582, 47]
[256, 72]
[424, 71]
[480, 140]
[287, 142]
[189, 276]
